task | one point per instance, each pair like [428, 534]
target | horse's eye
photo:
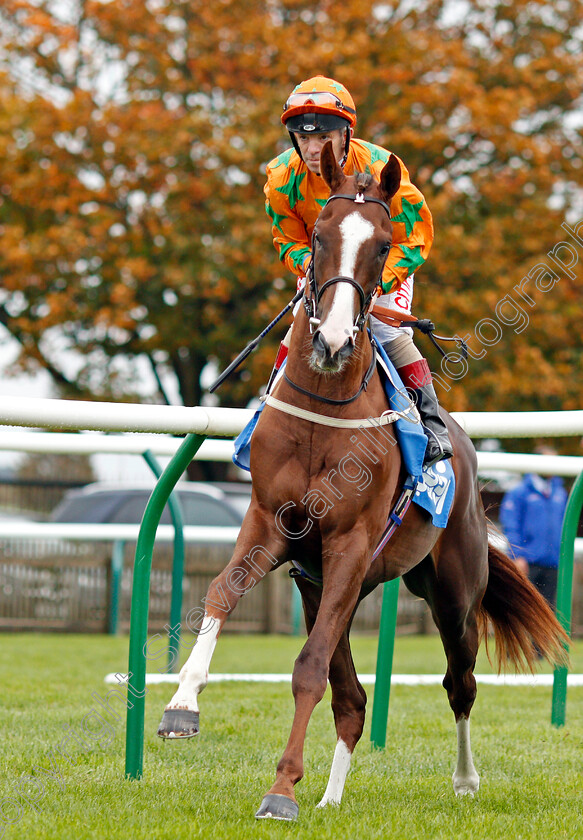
[385, 249]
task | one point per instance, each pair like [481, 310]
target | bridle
[311, 302]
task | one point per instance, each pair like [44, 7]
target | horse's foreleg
[339, 598]
[181, 715]
[348, 698]
[251, 561]
[349, 706]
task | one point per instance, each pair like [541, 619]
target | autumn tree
[134, 136]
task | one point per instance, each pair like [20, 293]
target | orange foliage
[132, 160]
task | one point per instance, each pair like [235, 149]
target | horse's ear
[330, 170]
[390, 178]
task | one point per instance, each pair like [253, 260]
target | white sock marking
[195, 671]
[465, 777]
[338, 773]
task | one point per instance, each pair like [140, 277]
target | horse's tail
[524, 624]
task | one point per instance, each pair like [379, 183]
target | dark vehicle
[65, 584]
[219, 505]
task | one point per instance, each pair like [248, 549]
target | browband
[360, 198]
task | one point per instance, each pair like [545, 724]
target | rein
[394, 318]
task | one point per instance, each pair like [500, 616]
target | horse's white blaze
[465, 777]
[337, 327]
[195, 671]
[338, 773]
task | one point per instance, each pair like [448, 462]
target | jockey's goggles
[317, 98]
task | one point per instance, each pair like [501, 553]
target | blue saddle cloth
[435, 487]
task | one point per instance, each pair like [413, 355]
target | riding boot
[417, 379]
[279, 360]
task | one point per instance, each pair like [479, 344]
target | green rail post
[565, 593]
[117, 554]
[140, 603]
[177, 566]
[386, 647]
[296, 610]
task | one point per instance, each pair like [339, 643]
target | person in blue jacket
[531, 516]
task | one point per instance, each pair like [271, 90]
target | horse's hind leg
[461, 646]
[251, 561]
[454, 606]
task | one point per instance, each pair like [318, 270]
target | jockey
[319, 110]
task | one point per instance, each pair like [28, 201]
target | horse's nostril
[320, 344]
[347, 348]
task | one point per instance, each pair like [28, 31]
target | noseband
[311, 303]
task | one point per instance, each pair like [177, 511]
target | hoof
[179, 723]
[467, 786]
[277, 807]
[465, 790]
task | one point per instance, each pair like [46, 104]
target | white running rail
[227, 422]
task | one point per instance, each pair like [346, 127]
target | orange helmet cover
[334, 99]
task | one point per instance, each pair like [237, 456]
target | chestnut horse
[315, 502]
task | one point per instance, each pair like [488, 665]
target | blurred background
[136, 258]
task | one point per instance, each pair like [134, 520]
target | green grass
[531, 780]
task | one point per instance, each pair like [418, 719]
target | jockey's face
[312, 144]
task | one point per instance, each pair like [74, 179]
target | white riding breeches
[400, 301]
